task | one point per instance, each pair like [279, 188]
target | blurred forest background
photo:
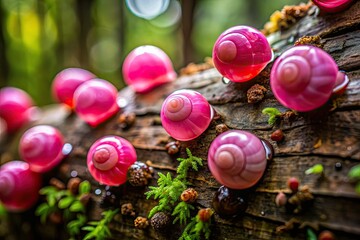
[39, 38]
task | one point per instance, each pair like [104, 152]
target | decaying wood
[323, 136]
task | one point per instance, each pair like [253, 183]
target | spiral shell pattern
[95, 101]
[147, 67]
[241, 53]
[41, 146]
[19, 186]
[333, 6]
[237, 159]
[109, 158]
[186, 114]
[303, 78]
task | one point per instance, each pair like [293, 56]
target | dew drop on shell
[225, 80]
[269, 150]
[67, 148]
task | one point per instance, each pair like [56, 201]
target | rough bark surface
[324, 136]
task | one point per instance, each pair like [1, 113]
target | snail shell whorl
[109, 159]
[303, 78]
[41, 146]
[19, 186]
[237, 159]
[186, 114]
[332, 6]
[241, 53]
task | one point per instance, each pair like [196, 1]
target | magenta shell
[147, 67]
[237, 159]
[41, 146]
[95, 101]
[186, 114]
[332, 6]
[67, 81]
[109, 158]
[303, 78]
[241, 53]
[19, 187]
[15, 108]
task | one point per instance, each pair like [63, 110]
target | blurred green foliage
[39, 38]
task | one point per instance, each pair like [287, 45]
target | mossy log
[328, 135]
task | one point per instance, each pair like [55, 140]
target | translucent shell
[95, 101]
[109, 158]
[237, 159]
[42, 147]
[15, 108]
[67, 81]
[19, 186]
[186, 114]
[332, 6]
[147, 67]
[241, 53]
[303, 78]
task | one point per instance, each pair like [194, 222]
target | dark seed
[229, 202]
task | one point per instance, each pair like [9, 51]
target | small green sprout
[2, 210]
[316, 169]
[199, 226]
[354, 174]
[273, 113]
[99, 230]
[310, 234]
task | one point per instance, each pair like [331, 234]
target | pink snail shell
[19, 186]
[241, 53]
[95, 101]
[147, 67]
[109, 158]
[332, 6]
[67, 81]
[42, 147]
[16, 108]
[237, 159]
[186, 114]
[303, 78]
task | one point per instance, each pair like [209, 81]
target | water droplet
[67, 148]
[121, 102]
[225, 80]
[107, 187]
[97, 191]
[147, 9]
[108, 193]
[262, 213]
[338, 166]
[73, 173]
[269, 150]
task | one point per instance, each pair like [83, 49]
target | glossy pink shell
[19, 187]
[67, 81]
[186, 114]
[41, 146]
[303, 78]
[95, 101]
[15, 108]
[147, 67]
[237, 159]
[332, 6]
[109, 158]
[241, 53]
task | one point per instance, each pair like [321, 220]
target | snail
[19, 186]
[109, 158]
[67, 81]
[241, 53]
[42, 147]
[95, 101]
[304, 77]
[186, 114]
[332, 6]
[16, 108]
[147, 67]
[237, 159]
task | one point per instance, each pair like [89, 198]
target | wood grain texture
[336, 205]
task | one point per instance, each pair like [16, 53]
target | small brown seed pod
[160, 221]
[141, 222]
[189, 195]
[205, 214]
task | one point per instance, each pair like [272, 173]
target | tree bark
[322, 136]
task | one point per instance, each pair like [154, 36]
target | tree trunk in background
[188, 8]
[324, 136]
